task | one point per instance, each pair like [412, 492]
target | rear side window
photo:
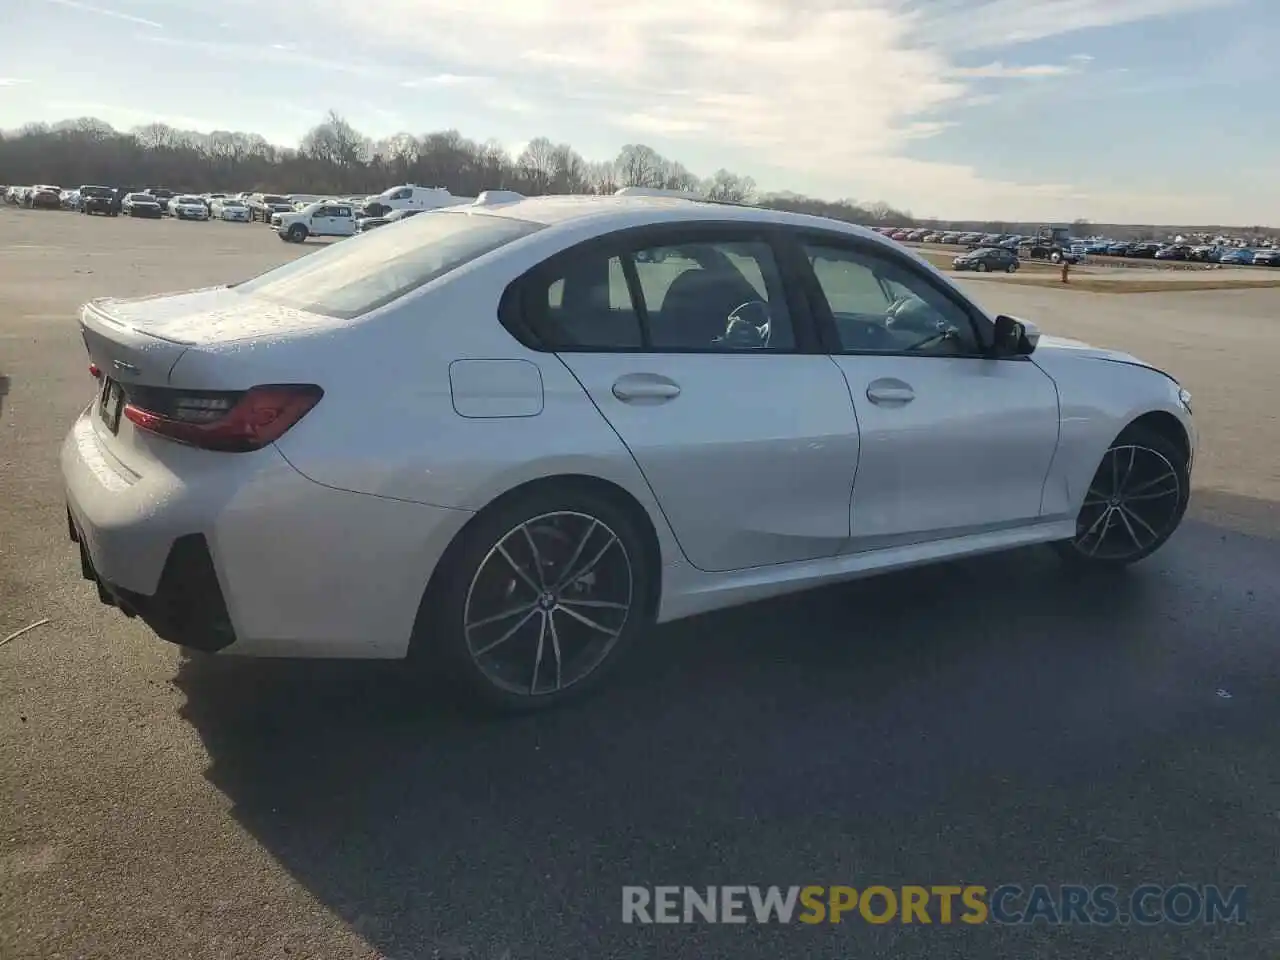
[356, 276]
[720, 296]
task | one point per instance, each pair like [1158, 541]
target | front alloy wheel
[1134, 504]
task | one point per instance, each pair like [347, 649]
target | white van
[412, 197]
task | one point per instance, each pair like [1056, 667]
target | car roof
[609, 213]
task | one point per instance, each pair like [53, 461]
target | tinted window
[881, 306]
[715, 296]
[692, 293]
[585, 303]
[349, 279]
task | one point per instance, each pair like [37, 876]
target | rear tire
[981, 267]
[296, 233]
[1012, 268]
[1135, 502]
[537, 600]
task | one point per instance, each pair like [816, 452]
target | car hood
[1078, 348]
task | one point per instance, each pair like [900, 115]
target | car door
[343, 223]
[322, 222]
[954, 442]
[743, 429]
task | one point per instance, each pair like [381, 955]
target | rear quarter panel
[388, 425]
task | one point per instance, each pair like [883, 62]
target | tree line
[335, 158]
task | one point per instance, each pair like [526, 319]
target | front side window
[703, 295]
[880, 306]
[350, 279]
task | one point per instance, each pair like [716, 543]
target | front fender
[1097, 400]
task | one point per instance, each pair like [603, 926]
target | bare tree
[730, 187]
[640, 166]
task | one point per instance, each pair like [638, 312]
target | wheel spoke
[497, 617]
[1134, 515]
[555, 644]
[600, 604]
[537, 659]
[1133, 455]
[520, 571]
[587, 621]
[1158, 495]
[1133, 535]
[506, 636]
[571, 576]
[577, 553]
[1115, 472]
[1106, 528]
[1148, 484]
[537, 557]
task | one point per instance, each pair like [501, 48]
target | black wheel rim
[1131, 507]
[548, 603]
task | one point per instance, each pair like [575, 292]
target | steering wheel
[913, 315]
[749, 326]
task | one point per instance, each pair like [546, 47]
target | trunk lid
[140, 341]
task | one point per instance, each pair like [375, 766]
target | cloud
[282, 54]
[1081, 57]
[990, 24]
[998, 70]
[12, 81]
[445, 80]
[104, 12]
[830, 92]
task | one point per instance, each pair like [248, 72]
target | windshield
[360, 275]
[142, 197]
[272, 199]
[190, 200]
[95, 192]
[232, 203]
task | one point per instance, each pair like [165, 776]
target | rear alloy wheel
[538, 600]
[1134, 504]
[297, 233]
[1011, 268]
[981, 267]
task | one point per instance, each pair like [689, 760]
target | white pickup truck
[412, 197]
[327, 218]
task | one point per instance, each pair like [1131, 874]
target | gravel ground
[981, 722]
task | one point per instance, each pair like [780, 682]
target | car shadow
[959, 720]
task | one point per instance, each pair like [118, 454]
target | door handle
[645, 388]
[890, 392]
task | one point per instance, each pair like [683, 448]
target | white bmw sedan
[506, 439]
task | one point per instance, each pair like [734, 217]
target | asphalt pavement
[982, 722]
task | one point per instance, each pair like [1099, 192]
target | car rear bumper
[240, 553]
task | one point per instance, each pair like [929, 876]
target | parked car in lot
[162, 196]
[43, 197]
[365, 224]
[1174, 251]
[470, 440]
[142, 205]
[95, 199]
[326, 219]
[263, 206]
[188, 207]
[1266, 258]
[983, 259]
[229, 208]
[1236, 257]
[410, 197]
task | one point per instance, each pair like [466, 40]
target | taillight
[229, 422]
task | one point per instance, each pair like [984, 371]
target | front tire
[297, 233]
[1012, 268]
[1133, 505]
[981, 267]
[537, 600]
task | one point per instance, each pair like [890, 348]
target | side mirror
[1013, 338]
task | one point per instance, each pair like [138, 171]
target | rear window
[353, 277]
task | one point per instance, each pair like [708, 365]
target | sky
[1118, 111]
